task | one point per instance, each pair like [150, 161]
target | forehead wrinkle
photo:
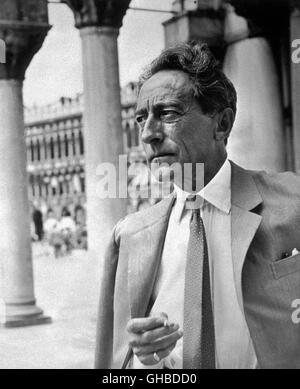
[171, 90]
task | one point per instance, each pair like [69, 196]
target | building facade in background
[55, 150]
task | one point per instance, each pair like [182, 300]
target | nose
[152, 131]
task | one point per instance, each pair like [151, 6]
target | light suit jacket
[265, 218]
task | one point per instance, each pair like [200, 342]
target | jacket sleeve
[104, 335]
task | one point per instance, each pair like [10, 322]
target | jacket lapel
[244, 223]
[147, 243]
[145, 253]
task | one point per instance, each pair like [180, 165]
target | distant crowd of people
[63, 233]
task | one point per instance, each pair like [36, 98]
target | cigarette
[166, 323]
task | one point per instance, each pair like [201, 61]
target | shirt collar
[217, 192]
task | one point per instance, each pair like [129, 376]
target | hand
[152, 337]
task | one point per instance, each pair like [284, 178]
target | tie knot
[194, 202]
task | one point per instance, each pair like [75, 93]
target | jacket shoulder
[283, 184]
[139, 220]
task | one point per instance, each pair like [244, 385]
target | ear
[224, 125]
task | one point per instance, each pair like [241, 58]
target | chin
[162, 184]
[162, 174]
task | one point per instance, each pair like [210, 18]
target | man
[209, 286]
[37, 218]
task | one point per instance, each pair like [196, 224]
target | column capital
[22, 41]
[265, 16]
[99, 13]
[93, 30]
[23, 27]
[295, 5]
[252, 8]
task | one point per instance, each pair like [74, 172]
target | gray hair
[212, 89]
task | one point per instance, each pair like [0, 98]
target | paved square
[67, 289]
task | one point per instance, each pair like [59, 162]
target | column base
[21, 315]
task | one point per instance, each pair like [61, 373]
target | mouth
[160, 156]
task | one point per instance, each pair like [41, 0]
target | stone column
[70, 144]
[43, 186]
[23, 27]
[295, 85]
[99, 23]
[42, 152]
[48, 144]
[265, 135]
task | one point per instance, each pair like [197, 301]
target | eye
[169, 114]
[140, 119]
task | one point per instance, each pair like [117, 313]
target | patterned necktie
[198, 327]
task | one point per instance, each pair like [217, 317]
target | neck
[211, 171]
[200, 174]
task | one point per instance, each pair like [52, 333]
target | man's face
[173, 128]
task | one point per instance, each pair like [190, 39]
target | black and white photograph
[149, 187]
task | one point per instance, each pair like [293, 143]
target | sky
[56, 69]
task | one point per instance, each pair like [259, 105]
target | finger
[166, 321]
[157, 333]
[149, 359]
[137, 340]
[165, 352]
[145, 324]
[163, 314]
[160, 344]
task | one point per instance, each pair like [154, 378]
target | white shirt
[50, 225]
[234, 348]
[67, 223]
